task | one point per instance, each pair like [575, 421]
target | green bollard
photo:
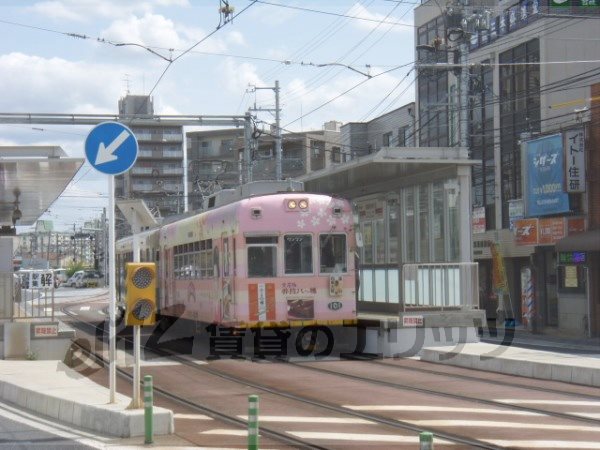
[253, 422]
[425, 441]
[148, 400]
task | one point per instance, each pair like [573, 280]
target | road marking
[305, 419]
[192, 416]
[226, 432]
[518, 401]
[498, 424]
[584, 414]
[102, 313]
[360, 437]
[422, 408]
[84, 308]
[543, 444]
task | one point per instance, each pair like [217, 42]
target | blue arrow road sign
[111, 148]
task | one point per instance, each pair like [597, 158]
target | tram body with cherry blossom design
[278, 260]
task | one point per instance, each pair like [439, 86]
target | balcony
[160, 154]
[157, 171]
[159, 137]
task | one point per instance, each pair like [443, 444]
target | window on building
[519, 113]
[402, 136]
[336, 155]
[387, 140]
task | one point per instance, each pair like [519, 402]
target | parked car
[60, 277]
[71, 282]
[90, 278]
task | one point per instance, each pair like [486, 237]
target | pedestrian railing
[440, 286]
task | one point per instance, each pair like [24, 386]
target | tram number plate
[412, 321]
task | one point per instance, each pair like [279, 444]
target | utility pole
[277, 111]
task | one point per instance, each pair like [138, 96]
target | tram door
[226, 291]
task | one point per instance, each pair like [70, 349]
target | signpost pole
[112, 377]
[136, 403]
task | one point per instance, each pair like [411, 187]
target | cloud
[236, 76]
[91, 10]
[33, 83]
[159, 32]
[359, 10]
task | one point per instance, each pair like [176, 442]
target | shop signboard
[550, 230]
[575, 160]
[526, 231]
[515, 211]
[544, 177]
[479, 220]
[575, 225]
[572, 258]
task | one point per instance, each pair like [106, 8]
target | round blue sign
[111, 148]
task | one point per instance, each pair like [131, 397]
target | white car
[72, 282]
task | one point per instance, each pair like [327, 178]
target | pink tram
[284, 259]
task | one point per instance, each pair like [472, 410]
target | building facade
[157, 176]
[215, 157]
[530, 72]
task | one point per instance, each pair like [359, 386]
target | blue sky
[43, 69]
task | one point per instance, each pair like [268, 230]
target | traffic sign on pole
[111, 148]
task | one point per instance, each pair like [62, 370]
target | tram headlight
[303, 204]
[291, 204]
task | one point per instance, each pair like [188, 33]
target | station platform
[515, 360]
[52, 389]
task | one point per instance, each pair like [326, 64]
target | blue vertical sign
[544, 177]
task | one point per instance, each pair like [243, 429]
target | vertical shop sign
[544, 177]
[526, 231]
[575, 160]
[527, 297]
[479, 220]
[515, 212]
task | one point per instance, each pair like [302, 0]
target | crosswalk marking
[360, 437]
[226, 432]
[305, 419]
[519, 401]
[191, 416]
[543, 444]
[426, 408]
[498, 424]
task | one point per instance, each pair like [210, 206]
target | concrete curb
[541, 365]
[108, 419]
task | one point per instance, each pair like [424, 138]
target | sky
[65, 56]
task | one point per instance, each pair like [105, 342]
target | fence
[440, 286]
[34, 295]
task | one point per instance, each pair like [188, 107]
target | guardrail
[440, 286]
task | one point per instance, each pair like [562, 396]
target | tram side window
[298, 253]
[333, 253]
[194, 260]
[262, 256]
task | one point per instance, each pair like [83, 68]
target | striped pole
[148, 400]
[425, 441]
[253, 422]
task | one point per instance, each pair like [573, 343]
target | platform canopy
[31, 179]
[391, 165]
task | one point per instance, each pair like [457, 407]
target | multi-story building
[530, 70]
[393, 129]
[215, 157]
[157, 176]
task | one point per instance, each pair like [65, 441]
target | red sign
[261, 301]
[575, 225]
[551, 230]
[43, 331]
[478, 220]
[412, 321]
[526, 231]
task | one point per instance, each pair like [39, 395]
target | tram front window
[333, 253]
[262, 257]
[298, 254]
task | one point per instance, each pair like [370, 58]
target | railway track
[392, 423]
[382, 420]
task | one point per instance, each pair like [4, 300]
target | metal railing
[440, 286]
[33, 296]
